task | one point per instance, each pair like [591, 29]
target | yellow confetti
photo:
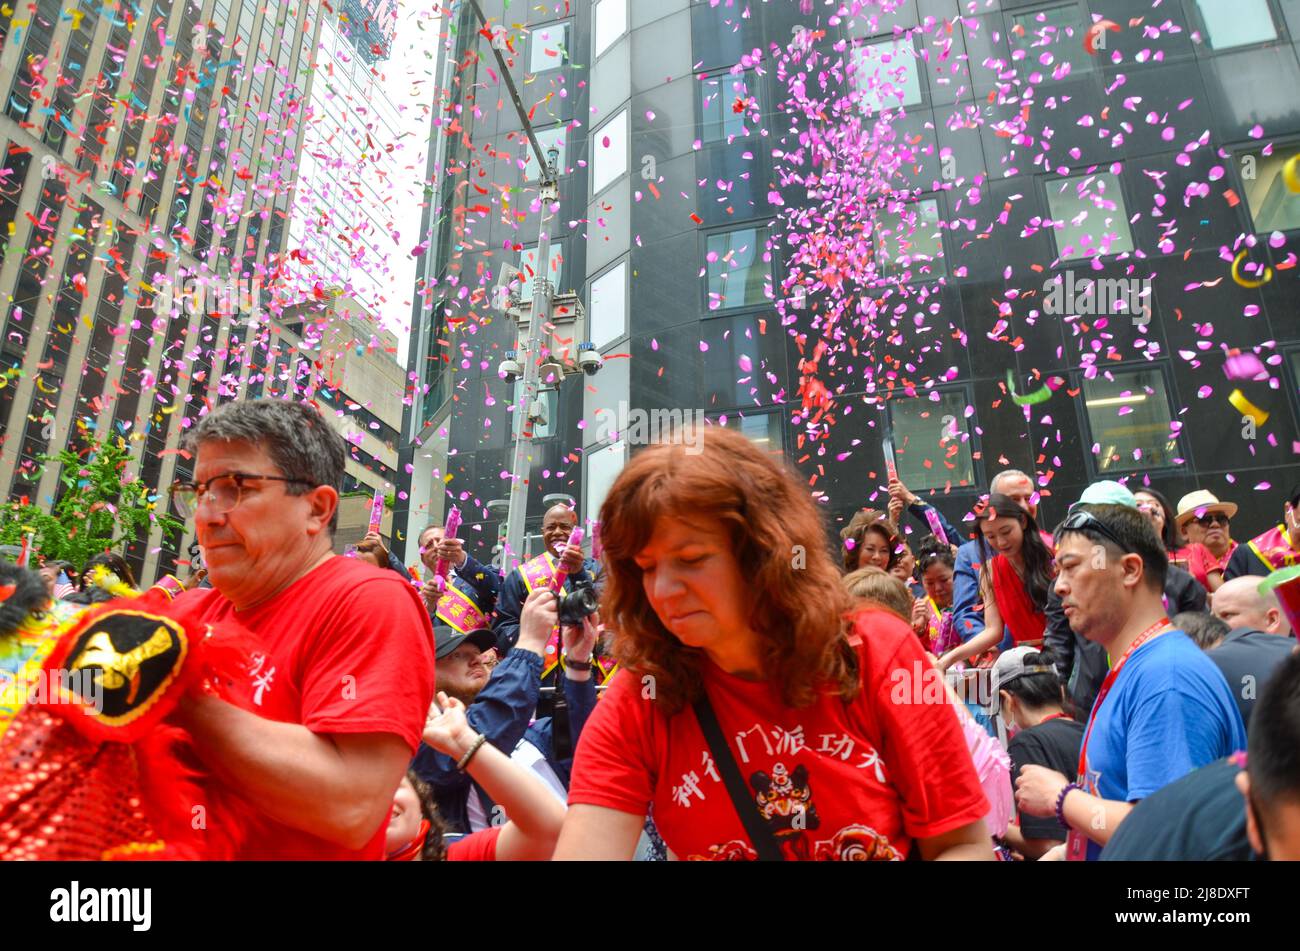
[1291, 173]
[1246, 408]
[1245, 281]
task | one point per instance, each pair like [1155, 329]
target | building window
[1129, 420]
[909, 240]
[886, 75]
[611, 23]
[932, 441]
[1233, 23]
[607, 313]
[557, 137]
[1047, 41]
[719, 96]
[609, 152]
[603, 467]
[1089, 216]
[1273, 206]
[739, 275]
[548, 47]
[765, 430]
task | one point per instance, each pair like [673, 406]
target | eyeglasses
[1210, 518]
[221, 493]
[1087, 522]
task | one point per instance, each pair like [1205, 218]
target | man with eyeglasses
[347, 646]
[1279, 547]
[1206, 524]
[1164, 708]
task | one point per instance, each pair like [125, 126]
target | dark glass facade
[1156, 411]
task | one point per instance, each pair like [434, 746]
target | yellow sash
[1276, 551]
[457, 610]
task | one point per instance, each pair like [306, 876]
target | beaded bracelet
[1060, 803]
[469, 754]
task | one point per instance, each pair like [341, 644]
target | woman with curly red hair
[756, 714]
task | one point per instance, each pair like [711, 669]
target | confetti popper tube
[377, 512]
[932, 517]
[596, 550]
[561, 576]
[442, 567]
[891, 467]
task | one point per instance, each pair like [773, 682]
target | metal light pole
[543, 294]
[549, 190]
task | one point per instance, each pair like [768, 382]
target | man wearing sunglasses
[348, 647]
[1206, 524]
[1081, 661]
[1164, 708]
[1276, 548]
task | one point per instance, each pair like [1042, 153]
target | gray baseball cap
[1011, 665]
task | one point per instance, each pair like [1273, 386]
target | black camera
[578, 604]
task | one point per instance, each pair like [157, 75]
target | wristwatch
[580, 665]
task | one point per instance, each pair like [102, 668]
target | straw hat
[1198, 503]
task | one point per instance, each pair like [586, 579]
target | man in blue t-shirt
[1164, 708]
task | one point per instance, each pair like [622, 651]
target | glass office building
[667, 155]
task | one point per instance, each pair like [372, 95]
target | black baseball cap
[446, 639]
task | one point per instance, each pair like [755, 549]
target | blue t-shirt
[1169, 712]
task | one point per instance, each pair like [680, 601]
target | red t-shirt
[835, 780]
[480, 846]
[349, 647]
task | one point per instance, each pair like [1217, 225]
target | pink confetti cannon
[891, 467]
[377, 512]
[443, 566]
[932, 517]
[561, 576]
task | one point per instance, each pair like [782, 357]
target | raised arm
[536, 815]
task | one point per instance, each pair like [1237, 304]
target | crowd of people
[710, 680]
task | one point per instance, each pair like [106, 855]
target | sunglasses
[1087, 522]
[1211, 518]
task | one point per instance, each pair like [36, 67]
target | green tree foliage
[97, 509]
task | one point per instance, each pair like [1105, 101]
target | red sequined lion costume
[90, 767]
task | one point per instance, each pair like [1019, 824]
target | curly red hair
[799, 606]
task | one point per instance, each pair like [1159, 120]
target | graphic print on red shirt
[834, 781]
[348, 649]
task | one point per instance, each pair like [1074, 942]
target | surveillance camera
[589, 359]
[509, 368]
[550, 373]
